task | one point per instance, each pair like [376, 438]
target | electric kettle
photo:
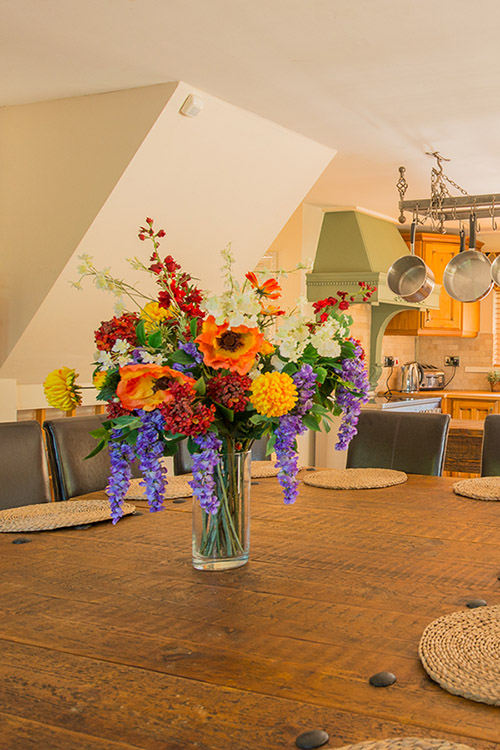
[411, 377]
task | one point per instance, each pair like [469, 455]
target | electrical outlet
[389, 362]
[451, 361]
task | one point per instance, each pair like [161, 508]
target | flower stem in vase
[221, 539]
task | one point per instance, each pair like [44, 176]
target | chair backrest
[68, 442]
[490, 457]
[406, 441]
[183, 463]
[24, 478]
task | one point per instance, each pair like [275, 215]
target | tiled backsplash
[431, 350]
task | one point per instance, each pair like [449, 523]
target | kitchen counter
[405, 402]
[448, 393]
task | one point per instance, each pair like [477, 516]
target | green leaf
[99, 433]
[140, 332]
[154, 340]
[258, 419]
[311, 422]
[131, 437]
[290, 369]
[200, 387]
[270, 444]
[97, 449]
[326, 426]
[181, 357]
[170, 448]
[321, 374]
[227, 413]
[193, 327]
[318, 409]
[127, 421]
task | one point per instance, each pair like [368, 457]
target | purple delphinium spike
[121, 455]
[149, 450]
[305, 382]
[353, 371]
[290, 426]
[204, 463]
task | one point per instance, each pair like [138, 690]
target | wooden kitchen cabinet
[471, 408]
[453, 318]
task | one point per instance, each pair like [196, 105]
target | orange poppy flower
[270, 288]
[146, 386]
[233, 349]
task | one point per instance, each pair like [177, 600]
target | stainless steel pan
[467, 277]
[495, 270]
[409, 277]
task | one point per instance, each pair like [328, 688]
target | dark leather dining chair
[490, 456]
[68, 442]
[406, 441]
[183, 462]
[24, 478]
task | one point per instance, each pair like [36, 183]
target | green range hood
[353, 247]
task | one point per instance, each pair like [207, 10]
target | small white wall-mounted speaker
[192, 106]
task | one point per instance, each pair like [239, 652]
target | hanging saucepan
[495, 270]
[409, 277]
[467, 277]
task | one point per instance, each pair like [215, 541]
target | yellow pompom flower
[99, 379]
[152, 315]
[61, 390]
[273, 394]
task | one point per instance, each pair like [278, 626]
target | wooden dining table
[110, 640]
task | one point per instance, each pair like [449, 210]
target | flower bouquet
[218, 372]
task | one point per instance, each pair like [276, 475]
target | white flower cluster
[121, 354]
[295, 335]
[325, 339]
[234, 307]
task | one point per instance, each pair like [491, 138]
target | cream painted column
[8, 402]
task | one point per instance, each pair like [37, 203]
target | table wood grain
[111, 640]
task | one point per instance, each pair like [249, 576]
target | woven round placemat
[461, 652]
[480, 488]
[177, 487]
[46, 516]
[355, 479]
[263, 469]
[406, 743]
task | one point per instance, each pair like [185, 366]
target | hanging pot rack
[442, 206]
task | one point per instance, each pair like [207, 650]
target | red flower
[116, 328]
[183, 415]
[230, 390]
[114, 409]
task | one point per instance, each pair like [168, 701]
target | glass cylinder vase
[221, 540]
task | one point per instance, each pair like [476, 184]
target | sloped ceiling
[382, 82]
[59, 162]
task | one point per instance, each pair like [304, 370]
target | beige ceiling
[381, 81]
